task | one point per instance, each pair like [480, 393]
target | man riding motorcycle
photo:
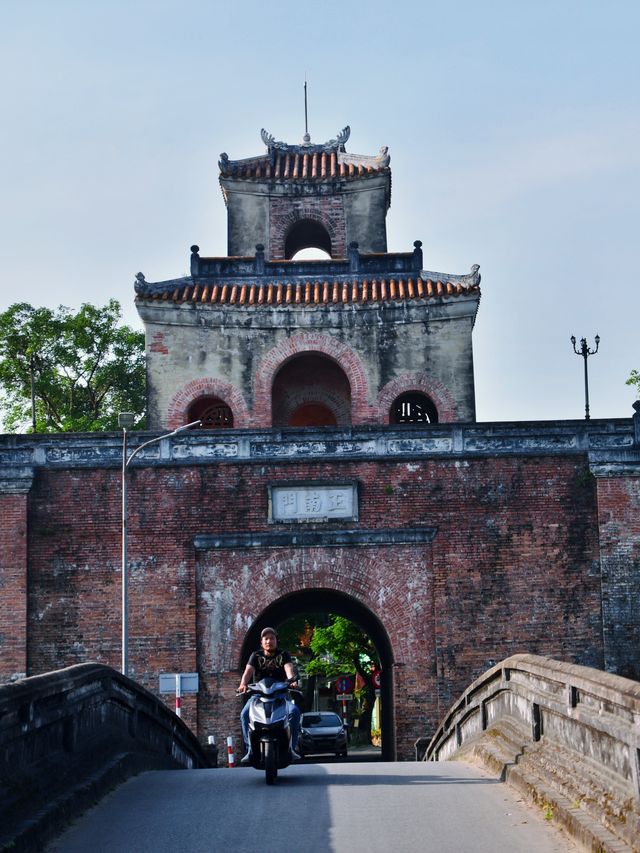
[269, 662]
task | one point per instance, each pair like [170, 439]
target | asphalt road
[448, 807]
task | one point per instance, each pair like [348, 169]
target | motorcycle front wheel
[270, 762]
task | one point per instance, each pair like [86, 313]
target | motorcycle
[269, 730]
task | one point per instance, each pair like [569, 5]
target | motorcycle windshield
[268, 687]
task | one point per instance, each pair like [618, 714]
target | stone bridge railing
[69, 736]
[567, 736]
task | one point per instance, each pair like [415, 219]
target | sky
[513, 129]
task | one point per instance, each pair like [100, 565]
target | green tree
[343, 648]
[634, 379]
[82, 366]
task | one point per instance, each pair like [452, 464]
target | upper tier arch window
[306, 234]
[413, 408]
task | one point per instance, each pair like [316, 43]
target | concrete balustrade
[69, 736]
[567, 736]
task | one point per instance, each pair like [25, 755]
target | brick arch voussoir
[286, 222]
[303, 344]
[433, 388]
[207, 387]
[292, 581]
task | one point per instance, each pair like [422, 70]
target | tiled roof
[343, 290]
[304, 165]
[305, 162]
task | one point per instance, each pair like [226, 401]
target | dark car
[322, 731]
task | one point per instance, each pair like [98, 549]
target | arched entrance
[330, 601]
[306, 234]
[311, 389]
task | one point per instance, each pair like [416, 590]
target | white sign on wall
[311, 502]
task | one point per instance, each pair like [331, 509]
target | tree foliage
[84, 367]
[634, 379]
[328, 647]
[342, 647]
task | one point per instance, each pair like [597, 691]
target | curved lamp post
[126, 419]
[585, 352]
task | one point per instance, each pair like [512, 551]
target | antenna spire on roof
[307, 137]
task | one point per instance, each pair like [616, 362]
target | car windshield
[312, 721]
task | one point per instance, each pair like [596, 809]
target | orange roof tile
[308, 293]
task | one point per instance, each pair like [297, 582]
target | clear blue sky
[513, 129]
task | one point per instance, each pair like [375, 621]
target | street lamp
[126, 420]
[585, 352]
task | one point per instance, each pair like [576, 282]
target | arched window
[311, 390]
[306, 234]
[213, 412]
[413, 408]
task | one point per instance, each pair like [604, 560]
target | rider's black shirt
[270, 666]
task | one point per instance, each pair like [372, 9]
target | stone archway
[331, 601]
[305, 343]
[381, 580]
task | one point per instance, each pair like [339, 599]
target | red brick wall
[513, 567]
[619, 518]
[13, 586]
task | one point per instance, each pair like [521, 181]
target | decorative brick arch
[242, 592]
[433, 388]
[300, 344]
[207, 387]
[314, 394]
[324, 211]
[286, 584]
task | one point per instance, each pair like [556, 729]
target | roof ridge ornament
[273, 144]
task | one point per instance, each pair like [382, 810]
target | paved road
[315, 808]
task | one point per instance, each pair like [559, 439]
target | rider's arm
[291, 672]
[247, 678]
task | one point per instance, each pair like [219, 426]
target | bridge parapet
[567, 736]
[67, 737]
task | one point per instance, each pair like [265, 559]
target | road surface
[447, 807]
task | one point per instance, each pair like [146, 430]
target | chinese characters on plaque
[313, 503]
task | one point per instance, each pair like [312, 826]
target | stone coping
[608, 444]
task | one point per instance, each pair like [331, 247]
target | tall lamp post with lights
[126, 421]
[585, 352]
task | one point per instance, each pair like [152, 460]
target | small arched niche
[311, 390]
[213, 413]
[306, 234]
[413, 407]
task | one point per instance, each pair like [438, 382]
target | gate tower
[259, 339]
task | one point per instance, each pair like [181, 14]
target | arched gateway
[378, 579]
[330, 601]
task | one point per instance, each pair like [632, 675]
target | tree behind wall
[329, 646]
[82, 366]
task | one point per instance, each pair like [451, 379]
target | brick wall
[13, 586]
[619, 519]
[513, 567]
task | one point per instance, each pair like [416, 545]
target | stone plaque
[310, 502]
